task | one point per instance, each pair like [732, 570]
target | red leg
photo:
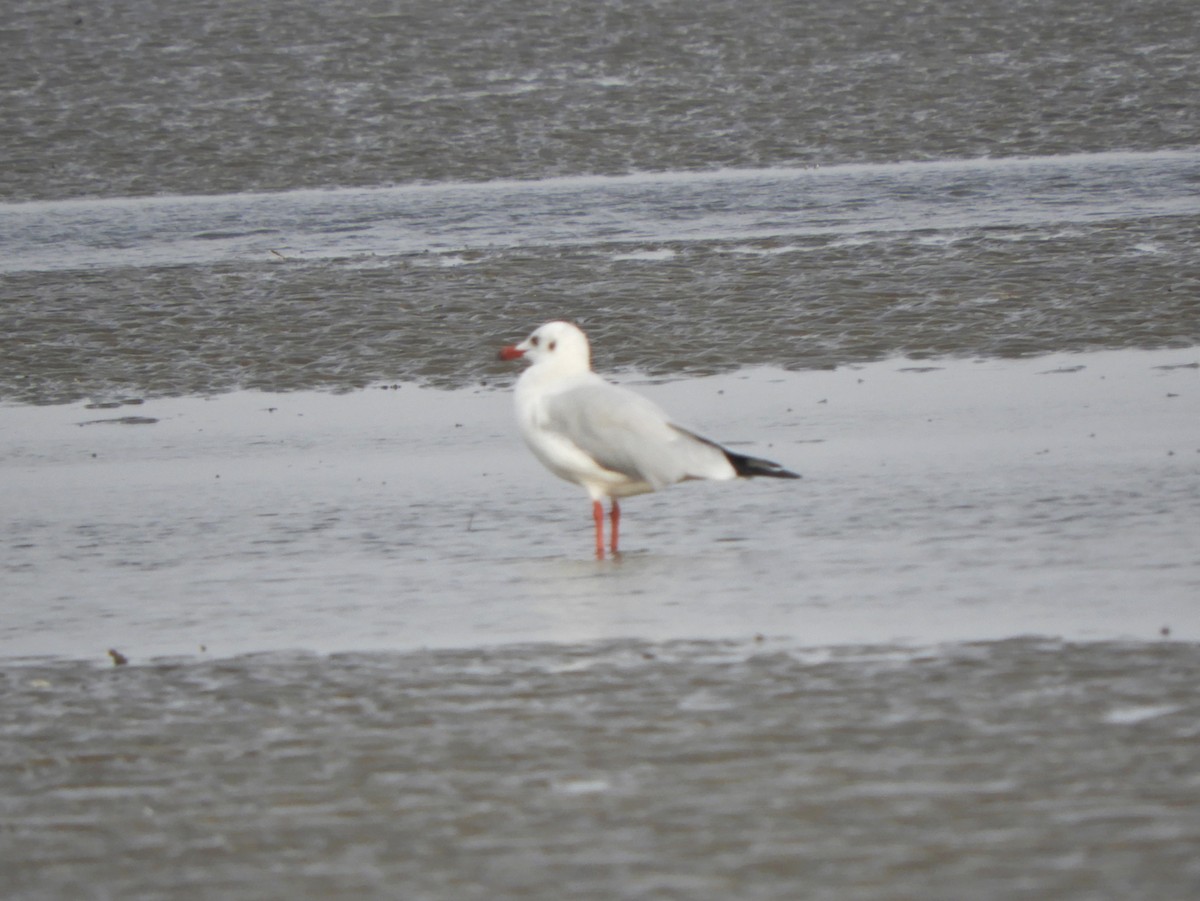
[598, 515]
[615, 519]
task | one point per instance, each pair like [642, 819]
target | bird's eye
[534, 340]
[551, 345]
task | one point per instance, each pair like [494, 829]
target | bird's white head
[558, 345]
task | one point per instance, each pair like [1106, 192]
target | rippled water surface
[627, 770]
[648, 169]
[226, 96]
[791, 268]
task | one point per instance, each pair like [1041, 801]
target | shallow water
[955, 501]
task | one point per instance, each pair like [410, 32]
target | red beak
[511, 353]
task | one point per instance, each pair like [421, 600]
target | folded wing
[626, 433]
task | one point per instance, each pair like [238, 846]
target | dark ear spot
[552, 345]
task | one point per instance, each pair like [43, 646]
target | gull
[611, 441]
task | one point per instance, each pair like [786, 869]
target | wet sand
[636, 770]
[941, 501]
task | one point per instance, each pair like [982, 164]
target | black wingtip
[749, 467]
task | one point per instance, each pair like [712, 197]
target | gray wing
[626, 433]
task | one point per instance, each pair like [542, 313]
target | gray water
[206, 197]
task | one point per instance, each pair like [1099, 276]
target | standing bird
[608, 439]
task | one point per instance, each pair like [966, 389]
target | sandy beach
[942, 500]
